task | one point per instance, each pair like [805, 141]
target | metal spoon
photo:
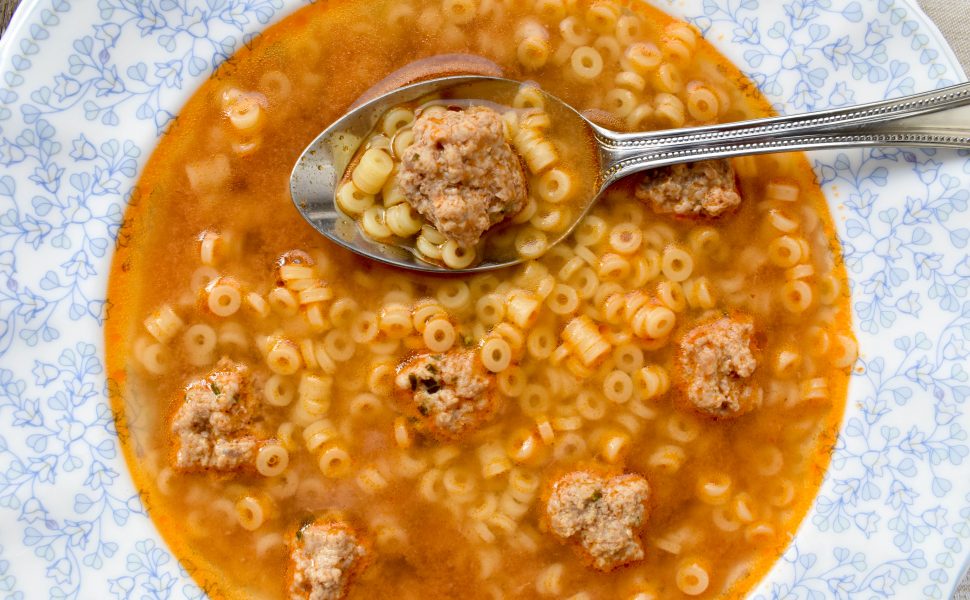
[939, 119]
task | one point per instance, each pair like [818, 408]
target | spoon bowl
[933, 119]
[321, 167]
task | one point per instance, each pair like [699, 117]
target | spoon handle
[940, 118]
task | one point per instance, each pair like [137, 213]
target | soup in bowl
[645, 410]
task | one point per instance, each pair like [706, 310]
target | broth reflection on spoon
[349, 183]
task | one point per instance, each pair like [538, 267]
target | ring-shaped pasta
[590, 231]
[249, 513]
[643, 57]
[626, 237]
[459, 12]
[199, 339]
[621, 102]
[373, 170]
[224, 299]
[609, 47]
[692, 578]
[439, 335]
[586, 63]
[339, 345]
[396, 119]
[628, 29]
[284, 357]
[669, 111]
[784, 252]
[564, 300]
[276, 86]
[402, 220]
[552, 219]
[590, 406]
[618, 387]
[352, 200]
[279, 391]
[574, 32]
[550, 10]
[496, 354]
[364, 328]
[529, 96]
[796, 296]
[454, 295]
[671, 294]
[628, 357]
[702, 104]
[374, 223]
[456, 256]
[490, 309]
[534, 400]
[512, 381]
[555, 186]
[533, 53]
[676, 264]
[335, 462]
[531, 243]
[714, 488]
[272, 460]
[602, 16]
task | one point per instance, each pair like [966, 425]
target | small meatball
[714, 364]
[451, 392]
[697, 190]
[462, 174]
[601, 514]
[324, 559]
[214, 427]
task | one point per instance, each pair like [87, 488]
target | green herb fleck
[215, 389]
[432, 369]
[467, 340]
[304, 523]
[413, 380]
[433, 386]
[595, 496]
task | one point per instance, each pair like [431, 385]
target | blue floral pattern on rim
[893, 516]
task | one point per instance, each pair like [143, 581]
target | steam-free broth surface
[580, 351]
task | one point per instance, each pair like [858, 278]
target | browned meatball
[324, 559]
[451, 392]
[461, 173]
[701, 189]
[602, 515]
[715, 362]
[214, 426]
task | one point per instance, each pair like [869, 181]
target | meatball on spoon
[491, 187]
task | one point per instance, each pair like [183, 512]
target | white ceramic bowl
[86, 88]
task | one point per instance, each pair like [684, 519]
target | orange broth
[426, 544]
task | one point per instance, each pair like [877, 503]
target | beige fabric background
[6, 11]
[950, 15]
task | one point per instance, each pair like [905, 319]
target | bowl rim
[27, 9]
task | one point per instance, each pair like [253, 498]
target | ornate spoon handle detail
[932, 119]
